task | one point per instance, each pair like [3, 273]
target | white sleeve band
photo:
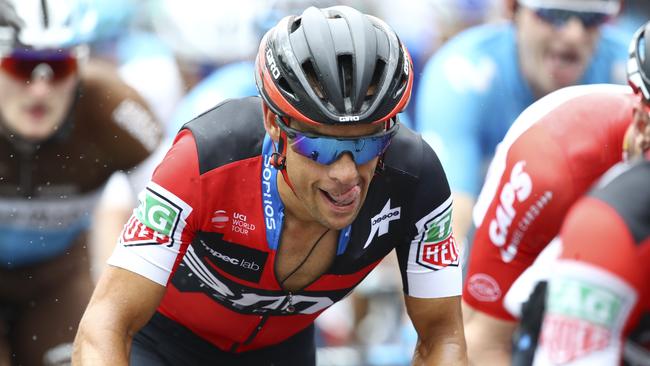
[129, 259]
[444, 282]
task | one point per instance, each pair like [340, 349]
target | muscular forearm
[97, 347]
[100, 341]
[448, 352]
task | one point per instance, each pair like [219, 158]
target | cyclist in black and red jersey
[597, 309]
[267, 211]
[65, 126]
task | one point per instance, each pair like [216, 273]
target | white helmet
[45, 24]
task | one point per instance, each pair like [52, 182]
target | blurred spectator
[66, 124]
[476, 84]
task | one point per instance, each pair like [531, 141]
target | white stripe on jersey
[526, 120]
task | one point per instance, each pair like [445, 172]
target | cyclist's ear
[270, 125]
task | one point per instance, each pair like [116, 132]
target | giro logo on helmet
[272, 65]
[405, 65]
[349, 119]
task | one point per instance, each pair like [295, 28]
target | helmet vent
[295, 25]
[380, 66]
[312, 78]
[345, 74]
[285, 87]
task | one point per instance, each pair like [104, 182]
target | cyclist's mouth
[37, 111]
[343, 199]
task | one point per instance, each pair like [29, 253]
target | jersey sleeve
[429, 258]
[527, 193]
[158, 233]
[595, 290]
[450, 113]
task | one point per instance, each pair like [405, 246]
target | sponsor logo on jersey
[515, 191]
[219, 219]
[267, 199]
[158, 220]
[484, 287]
[236, 260]
[240, 224]
[580, 319]
[437, 248]
[379, 223]
[245, 299]
[138, 122]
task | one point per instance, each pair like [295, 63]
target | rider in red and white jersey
[549, 158]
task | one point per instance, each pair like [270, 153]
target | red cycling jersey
[599, 288]
[549, 158]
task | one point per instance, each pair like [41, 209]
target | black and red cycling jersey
[209, 223]
[599, 293]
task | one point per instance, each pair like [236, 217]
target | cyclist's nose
[574, 30]
[40, 87]
[344, 169]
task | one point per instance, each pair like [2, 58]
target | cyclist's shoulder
[614, 39]
[101, 78]
[408, 154]
[486, 40]
[230, 131]
[625, 188]
[472, 63]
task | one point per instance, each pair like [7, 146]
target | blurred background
[185, 56]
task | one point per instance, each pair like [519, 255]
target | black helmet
[334, 65]
[638, 64]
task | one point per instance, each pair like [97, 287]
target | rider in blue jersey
[477, 84]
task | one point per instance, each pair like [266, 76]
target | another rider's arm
[520, 210]
[439, 325]
[122, 303]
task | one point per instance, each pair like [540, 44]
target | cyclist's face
[34, 109]
[552, 56]
[637, 136]
[329, 194]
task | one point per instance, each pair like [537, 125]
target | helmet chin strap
[279, 160]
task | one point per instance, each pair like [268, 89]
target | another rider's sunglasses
[327, 149]
[25, 65]
[559, 17]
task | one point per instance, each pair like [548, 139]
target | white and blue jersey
[472, 90]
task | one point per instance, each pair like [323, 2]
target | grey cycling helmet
[334, 65]
[638, 64]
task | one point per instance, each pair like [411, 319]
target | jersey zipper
[289, 308]
[251, 336]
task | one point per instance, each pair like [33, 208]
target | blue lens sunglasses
[327, 149]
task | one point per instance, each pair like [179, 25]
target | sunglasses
[25, 64]
[326, 149]
[559, 17]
